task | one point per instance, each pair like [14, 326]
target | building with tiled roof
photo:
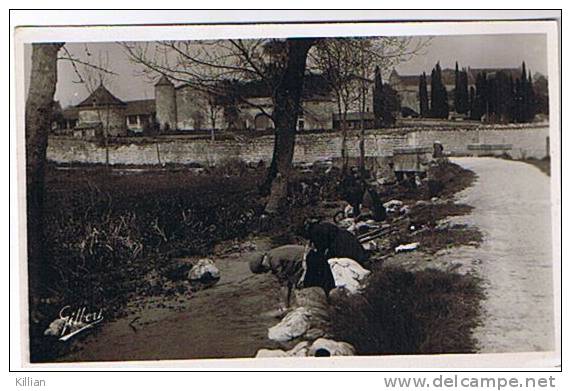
[185, 108]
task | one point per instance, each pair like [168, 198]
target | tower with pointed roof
[165, 101]
[102, 112]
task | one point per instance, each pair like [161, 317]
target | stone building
[102, 113]
[184, 108]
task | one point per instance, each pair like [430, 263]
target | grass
[421, 312]
[401, 312]
[106, 231]
[544, 164]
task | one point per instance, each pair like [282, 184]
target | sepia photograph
[274, 191]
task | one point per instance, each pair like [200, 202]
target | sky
[476, 51]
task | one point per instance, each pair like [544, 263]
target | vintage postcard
[373, 194]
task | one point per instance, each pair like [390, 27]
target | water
[511, 203]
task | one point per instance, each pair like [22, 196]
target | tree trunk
[39, 107]
[362, 164]
[287, 104]
[344, 152]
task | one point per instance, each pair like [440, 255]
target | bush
[401, 312]
[104, 233]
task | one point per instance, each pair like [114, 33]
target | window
[300, 123]
[132, 120]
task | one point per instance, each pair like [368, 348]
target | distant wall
[526, 142]
[309, 148]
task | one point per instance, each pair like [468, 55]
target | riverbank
[154, 220]
[419, 302]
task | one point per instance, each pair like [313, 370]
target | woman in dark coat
[334, 242]
[318, 272]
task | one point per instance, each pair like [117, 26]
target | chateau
[244, 105]
[184, 108]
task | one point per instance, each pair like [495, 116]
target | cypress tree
[390, 105]
[457, 104]
[423, 96]
[438, 94]
[462, 105]
[480, 102]
[377, 97]
[471, 99]
[531, 110]
[518, 99]
[524, 95]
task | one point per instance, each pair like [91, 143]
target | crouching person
[286, 263]
[331, 241]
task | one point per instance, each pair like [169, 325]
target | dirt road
[511, 203]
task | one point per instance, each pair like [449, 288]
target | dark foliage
[386, 103]
[498, 98]
[438, 95]
[423, 96]
[401, 312]
[461, 97]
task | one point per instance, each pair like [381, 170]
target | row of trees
[501, 99]
[496, 97]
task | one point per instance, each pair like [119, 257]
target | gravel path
[511, 207]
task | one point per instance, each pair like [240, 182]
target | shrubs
[106, 230]
[104, 233]
[400, 312]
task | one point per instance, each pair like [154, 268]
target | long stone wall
[525, 142]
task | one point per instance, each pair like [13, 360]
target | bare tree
[39, 105]
[212, 66]
[39, 113]
[348, 65]
[335, 60]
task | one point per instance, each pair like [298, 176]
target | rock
[393, 206]
[371, 246]
[346, 223]
[407, 247]
[293, 325]
[55, 328]
[204, 271]
[365, 226]
[314, 333]
[348, 274]
[324, 347]
[404, 210]
[299, 350]
[349, 211]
